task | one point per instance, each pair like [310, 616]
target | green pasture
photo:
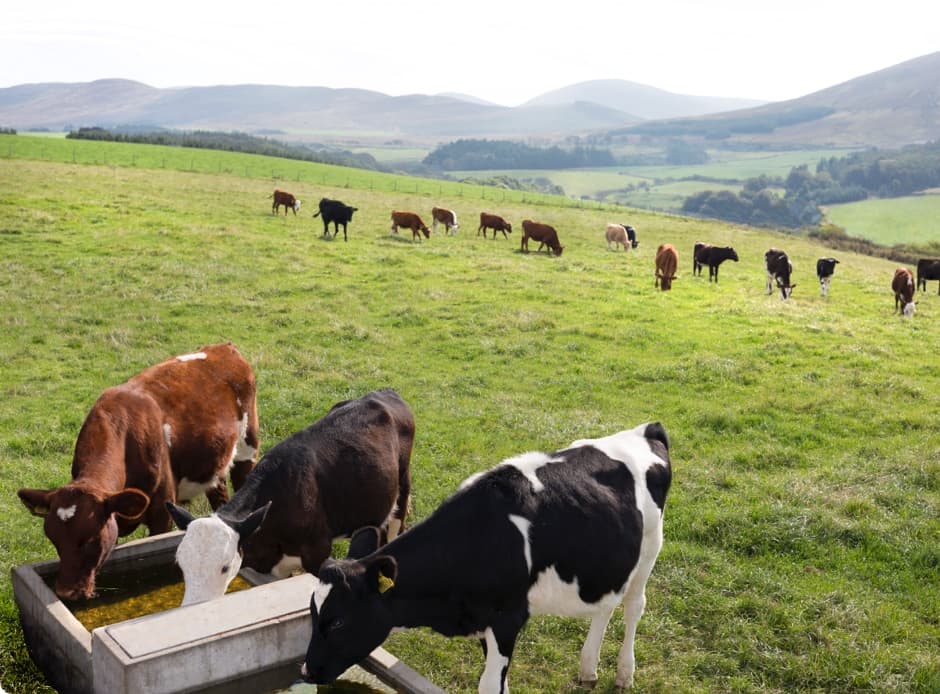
[913, 220]
[802, 532]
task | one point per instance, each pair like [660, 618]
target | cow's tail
[318, 214]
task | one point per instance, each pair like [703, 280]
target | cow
[712, 256]
[616, 235]
[928, 269]
[409, 220]
[543, 233]
[779, 269]
[335, 212]
[825, 269]
[448, 218]
[667, 260]
[903, 286]
[494, 222]
[347, 470]
[573, 533]
[287, 200]
[175, 430]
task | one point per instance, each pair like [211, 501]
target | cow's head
[296, 205]
[558, 249]
[210, 553]
[909, 308]
[786, 289]
[349, 607]
[631, 234]
[665, 281]
[732, 254]
[427, 232]
[80, 522]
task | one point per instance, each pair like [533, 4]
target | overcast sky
[502, 51]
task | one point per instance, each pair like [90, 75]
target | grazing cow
[571, 533]
[543, 233]
[712, 256]
[175, 430]
[287, 200]
[336, 212]
[494, 222]
[345, 471]
[616, 234]
[825, 269]
[927, 269]
[667, 260]
[446, 217]
[779, 269]
[903, 287]
[409, 220]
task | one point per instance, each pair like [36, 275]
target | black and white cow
[928, 269]
[572, 533]
[335, 212]
[825, 269]
[779, 269]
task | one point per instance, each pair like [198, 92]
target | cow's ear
[130, 503]
[38, 501]
[364, 542]
[381, 573]
[180, 515]
[249, 524]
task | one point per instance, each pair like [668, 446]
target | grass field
[802, 547]
[912, 219]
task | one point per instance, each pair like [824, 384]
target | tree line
[479, 155]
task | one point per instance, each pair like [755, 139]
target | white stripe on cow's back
[192, 357]
[523, 524]
[529, 463]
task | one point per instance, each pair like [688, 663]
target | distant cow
[616, 235]
[335, 212]
[409, 220]
[543, 233]
[287, 200]
[779, 270]
[903, 287]
[574, 532]
[927, 269]
[712, 256]
[175, 430]
[347, 470]
[667, 260]
[448, 218]
[494, 222]
[825, 269]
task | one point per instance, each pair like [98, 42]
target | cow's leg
[157, 518]
[314, 553]
[218, 494]
[591, 650]
[396, 522]
[499, 640]
[634, 602]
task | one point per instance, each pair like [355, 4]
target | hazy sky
[503, 51]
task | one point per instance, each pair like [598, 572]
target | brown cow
[903, 287]
[286, 199]
[448, 218]
[409, 220]
[543, 233]
[667, 260]
[175, 430]
[494, 222]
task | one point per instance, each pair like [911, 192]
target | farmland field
[912, 219]
[803, 528]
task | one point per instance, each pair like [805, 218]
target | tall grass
[802, 535]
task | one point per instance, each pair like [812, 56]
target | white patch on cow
[66, 513]
[287, 566]
[321, 592]
[824, 285]
[523, 525]
[192, 357]
[209, 558]
[392, 523]
[168, 434]
[188, 489]
[496, 663]
[471, 480]
[551, 595]
[242, 450]
[909, 309]
[528, 464]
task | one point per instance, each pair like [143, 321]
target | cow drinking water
[574, 533]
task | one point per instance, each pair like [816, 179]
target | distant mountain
[641, 100]
[889, 108]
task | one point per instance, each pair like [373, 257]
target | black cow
[712, 256]
[825, 269]
[575, 532]
[335, 212]
[779, 270]
[927, 269]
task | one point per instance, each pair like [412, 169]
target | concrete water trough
[246, 642]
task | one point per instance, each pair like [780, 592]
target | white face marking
[523, 525]
[66, 513]
[320, 593]
[192, 357]
[287, 566]
[189, 490]
[168, 435]
[208, 555]
[909, 309]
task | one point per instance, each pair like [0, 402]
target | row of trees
[479, 155]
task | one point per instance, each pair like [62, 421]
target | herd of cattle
[778, 265]
[519, 539]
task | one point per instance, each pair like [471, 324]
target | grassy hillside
[911, 219]
[802, 529]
